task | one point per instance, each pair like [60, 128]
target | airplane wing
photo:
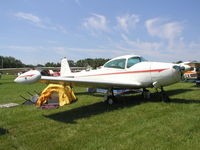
[88, 82]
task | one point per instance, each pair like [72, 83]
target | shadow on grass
[70, 116]
[3, 131]
[185, 101]
[3, 83]
[177, 91]
[90, 94]
[195, 86]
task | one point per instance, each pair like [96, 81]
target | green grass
[132, 123]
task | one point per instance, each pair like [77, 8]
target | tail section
[65, 69]
[51, 72]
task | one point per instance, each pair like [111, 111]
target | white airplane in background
[129, 71]
[194, 73]
[52, 73]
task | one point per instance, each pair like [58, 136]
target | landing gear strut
[164, 96]
[110, 98]
[146, 94]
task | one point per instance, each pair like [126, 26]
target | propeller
[182, 68]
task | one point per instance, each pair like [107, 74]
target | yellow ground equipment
[65, 94]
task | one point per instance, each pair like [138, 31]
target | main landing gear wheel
[110, 99]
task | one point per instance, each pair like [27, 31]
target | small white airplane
[129, 71]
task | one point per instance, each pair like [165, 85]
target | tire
[110, 101]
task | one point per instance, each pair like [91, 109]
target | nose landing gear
[146, 94]
[164, 96]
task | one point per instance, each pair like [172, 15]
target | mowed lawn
[132, 123]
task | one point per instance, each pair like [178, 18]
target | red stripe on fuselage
[128, 72]
[26, 76]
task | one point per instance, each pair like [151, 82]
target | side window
[118, 63]
[132, 61]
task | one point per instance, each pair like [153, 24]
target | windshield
[134, 60]
[118, 63]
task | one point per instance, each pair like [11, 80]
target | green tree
[71, 63]
[52, 64]
[10, 62]
[94, 63]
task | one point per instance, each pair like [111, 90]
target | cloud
[194, 45]
[142, 45]
[23, 48]
[96, 23]
[60, 50]
[158, 27]
[127, 21]
[169, 45]
[39, 22]
[28, 17]
[161, 50]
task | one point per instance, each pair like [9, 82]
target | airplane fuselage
[145, 73]
[129, 71]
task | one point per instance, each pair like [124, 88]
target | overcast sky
[38, 31]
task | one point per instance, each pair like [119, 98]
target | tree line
[11, 62]
[88, 62]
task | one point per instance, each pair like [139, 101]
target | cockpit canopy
[122, 63]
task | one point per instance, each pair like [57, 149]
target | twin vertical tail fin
[65, 69]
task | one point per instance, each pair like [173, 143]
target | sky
[40, 31]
